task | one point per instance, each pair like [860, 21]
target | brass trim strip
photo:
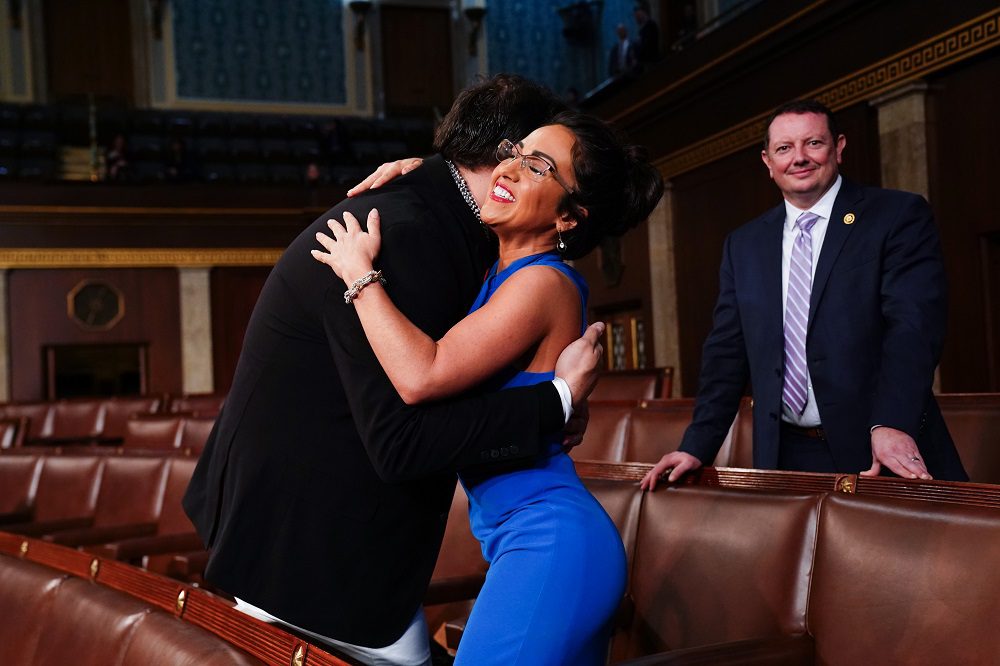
[137, 257]
[959, 43]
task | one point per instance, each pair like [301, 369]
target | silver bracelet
[361, 283]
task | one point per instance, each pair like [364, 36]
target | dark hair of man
[505, 106]
[799, 107]
[616, 186]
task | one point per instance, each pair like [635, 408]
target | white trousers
[411, 649]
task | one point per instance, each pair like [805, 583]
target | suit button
[494, 453]
[777, 372]
[504, 451]
[513, 449]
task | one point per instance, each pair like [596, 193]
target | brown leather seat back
[204, 404]
[27, 591]
[621, 500]
[131, 491]
[901, 582]
[39, 416]
[76, 420]
[974, 423]
[629, 385]
[606, 432]
[158, 431]
[117, 412]
[162, 639]
[716, 565]
[67, 487]
[12, 431]
[657, 429]
[173, 520]
[194, 433]
[740, 439]
[18, 482]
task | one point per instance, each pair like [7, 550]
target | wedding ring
[915, 458]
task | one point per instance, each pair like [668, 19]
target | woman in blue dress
[557, 565]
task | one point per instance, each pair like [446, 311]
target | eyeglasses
[536, 166]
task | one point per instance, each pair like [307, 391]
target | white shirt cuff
[565, 396]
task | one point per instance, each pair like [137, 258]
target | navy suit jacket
[876, 324]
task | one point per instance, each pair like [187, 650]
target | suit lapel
[848, 201]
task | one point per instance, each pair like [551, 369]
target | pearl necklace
[463, 187]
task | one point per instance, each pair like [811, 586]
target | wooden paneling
[417, 74]
[89, 49]
[966, 105]
[709, 203]
[38, 317]
[234, 294]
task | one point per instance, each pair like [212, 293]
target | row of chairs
[93, 420]
[644, 430]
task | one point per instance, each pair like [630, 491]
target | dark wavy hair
[506, 106]
[798, 107]
[616, 185]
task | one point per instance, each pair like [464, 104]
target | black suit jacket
[876, 327]
[322, 496]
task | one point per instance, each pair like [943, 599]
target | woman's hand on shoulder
[351, 251]
[385, 173]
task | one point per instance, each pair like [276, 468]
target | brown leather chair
[160, 432]
[715, 566]
[174, 531]
[66, 495]
[18, 483]
[974, 423]
[37, 414]
[12, 432]
[27, 592]
[203, 404]
[118, 410]
[194, 433]
[740, 439]
[901, 582]
[644, 384]
[656, 429]
[76, 421]
[607, 431]
[128, 503]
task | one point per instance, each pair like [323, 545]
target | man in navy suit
[833, 306]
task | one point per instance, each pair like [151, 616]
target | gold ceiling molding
[136, 257]
[961, 42]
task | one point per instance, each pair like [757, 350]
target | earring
[561, 245]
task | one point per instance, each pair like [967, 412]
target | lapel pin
[849, 218]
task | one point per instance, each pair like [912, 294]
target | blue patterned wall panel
[525, 37]
[261, 50]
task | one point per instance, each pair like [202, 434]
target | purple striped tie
[797, 314]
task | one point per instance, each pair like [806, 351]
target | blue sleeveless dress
[557, 564]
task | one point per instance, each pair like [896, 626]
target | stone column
[4, 342]
[196, 329]
[903, 138]
[904, 145]
[663, 287]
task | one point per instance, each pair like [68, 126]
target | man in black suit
[647, 44]
[833, 306]
[321, 495]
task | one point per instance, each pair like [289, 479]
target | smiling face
[519, 206]
[802, 157]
